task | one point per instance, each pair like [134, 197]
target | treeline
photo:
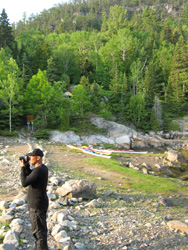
[130, 67]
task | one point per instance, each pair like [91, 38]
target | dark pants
[39, 228]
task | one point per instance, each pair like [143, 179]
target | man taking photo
[37, 180]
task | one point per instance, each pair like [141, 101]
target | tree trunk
[10, 112]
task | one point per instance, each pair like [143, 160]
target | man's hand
[23, 163]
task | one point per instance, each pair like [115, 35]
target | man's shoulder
[43, 166]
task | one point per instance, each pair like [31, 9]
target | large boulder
[78, 188]
[175, 156]
[124, 141]
[64, 137]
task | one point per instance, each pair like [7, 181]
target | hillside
[125, 61]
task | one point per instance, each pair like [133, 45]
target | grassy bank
[139, 181]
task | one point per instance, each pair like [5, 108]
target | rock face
[116, 134]
[120, 136]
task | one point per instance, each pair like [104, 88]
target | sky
[15, 8]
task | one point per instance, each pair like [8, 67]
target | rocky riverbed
[107, 220]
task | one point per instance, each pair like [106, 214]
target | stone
[6, 218]
[144, 170]
[176, 224]
[3, 205]
[173, 155]
[70, 246]
[123, 141]
[60, 217]
[7, 246]
[11, 238]
[19, 202]
[65, 137]
[61, 236]
[51, 196]
[56, 229]
[78, 188]
[93, 203]
[80, 246]
[108, 193]
[16, 222]
[55, 180]
[131, 165]
[63, 200]
[5, 162]
[54, 205]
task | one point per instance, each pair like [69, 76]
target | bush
[174, 126]
[42, 134]
[8, 133]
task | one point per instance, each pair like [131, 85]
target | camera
[25, 158]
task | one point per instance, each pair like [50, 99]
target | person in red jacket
[36, 179]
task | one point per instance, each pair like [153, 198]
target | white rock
[60, 217]
[61, 236]
[5, 162]
[55, 205]
[11, 238]
[3, 205]
[55, 180]
[93, 203]
[56, 230]
[16, 222]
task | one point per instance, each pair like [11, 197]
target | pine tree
[6, 37]
[178, 79]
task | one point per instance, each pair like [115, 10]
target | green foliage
[1, 239]
[137, 110]
[174, 126]
[115, 62]
[42, 134]
[6, 36]
[7, 133]
[80, 103]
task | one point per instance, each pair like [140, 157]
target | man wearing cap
[37, 180]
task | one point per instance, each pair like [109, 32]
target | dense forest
[125, 60]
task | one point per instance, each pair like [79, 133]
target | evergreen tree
[6, 37]
[178, 79]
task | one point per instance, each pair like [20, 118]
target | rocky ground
[113, 220]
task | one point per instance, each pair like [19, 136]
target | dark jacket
[37, 180]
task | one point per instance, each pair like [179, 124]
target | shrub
[174, 126]
[8, 133]
[42, 134]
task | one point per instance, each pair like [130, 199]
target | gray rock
[176, 156]
[78, 188]
[80, 246]
[11, 237]
[61, 236]
[7, 246]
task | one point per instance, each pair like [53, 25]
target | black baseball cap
[36, 152]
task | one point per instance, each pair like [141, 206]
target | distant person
[37, 180]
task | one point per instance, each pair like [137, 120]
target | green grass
[1, 239]
[138, 181]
